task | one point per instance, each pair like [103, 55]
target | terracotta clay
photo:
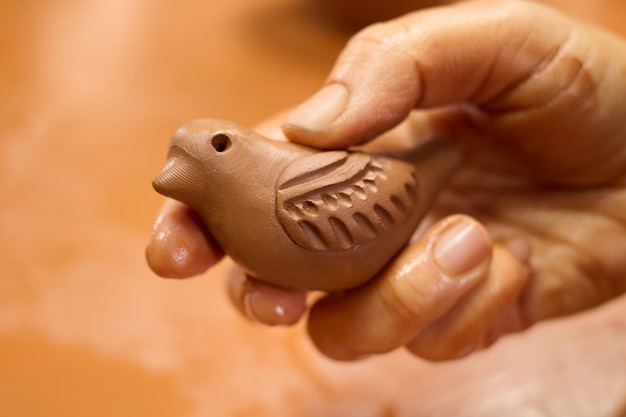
[298, 217]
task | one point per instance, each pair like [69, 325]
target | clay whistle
[298, 217]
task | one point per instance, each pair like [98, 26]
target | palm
[576, 235]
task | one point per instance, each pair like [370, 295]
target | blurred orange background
[91, 92]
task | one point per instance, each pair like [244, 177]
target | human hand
[537, 101]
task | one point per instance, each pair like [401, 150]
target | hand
[537, 101]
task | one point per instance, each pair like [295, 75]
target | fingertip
[180, 246]
[264, 303]
[479, 318]
[311, 122]
[372, 88]
[273, 306]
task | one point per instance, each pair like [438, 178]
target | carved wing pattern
[335, 201]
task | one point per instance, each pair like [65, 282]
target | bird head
[201, 155]
[211, 159]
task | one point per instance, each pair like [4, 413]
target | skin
[536, 100]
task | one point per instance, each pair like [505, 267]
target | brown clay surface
[91, 92]
[297, 217]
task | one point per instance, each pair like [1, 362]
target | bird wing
[338, 200]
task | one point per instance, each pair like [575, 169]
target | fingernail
[249, 297]
[262, 308]
[320, 111]
[461, 247]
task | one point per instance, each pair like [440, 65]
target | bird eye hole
[221, 142]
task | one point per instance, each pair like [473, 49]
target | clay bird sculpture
[298, 217]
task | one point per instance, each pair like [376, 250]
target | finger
[481, 316]
[499, 56]
[444, 55]
[180, 246]
[264, 303]
[417, 288]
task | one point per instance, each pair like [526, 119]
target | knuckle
[403, 310]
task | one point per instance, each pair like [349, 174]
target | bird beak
[177, 179]
[166, 180]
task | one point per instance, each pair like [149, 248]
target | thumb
[488, 53]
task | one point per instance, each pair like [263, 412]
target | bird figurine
[298, 217]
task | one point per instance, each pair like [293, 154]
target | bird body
[295, 216]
